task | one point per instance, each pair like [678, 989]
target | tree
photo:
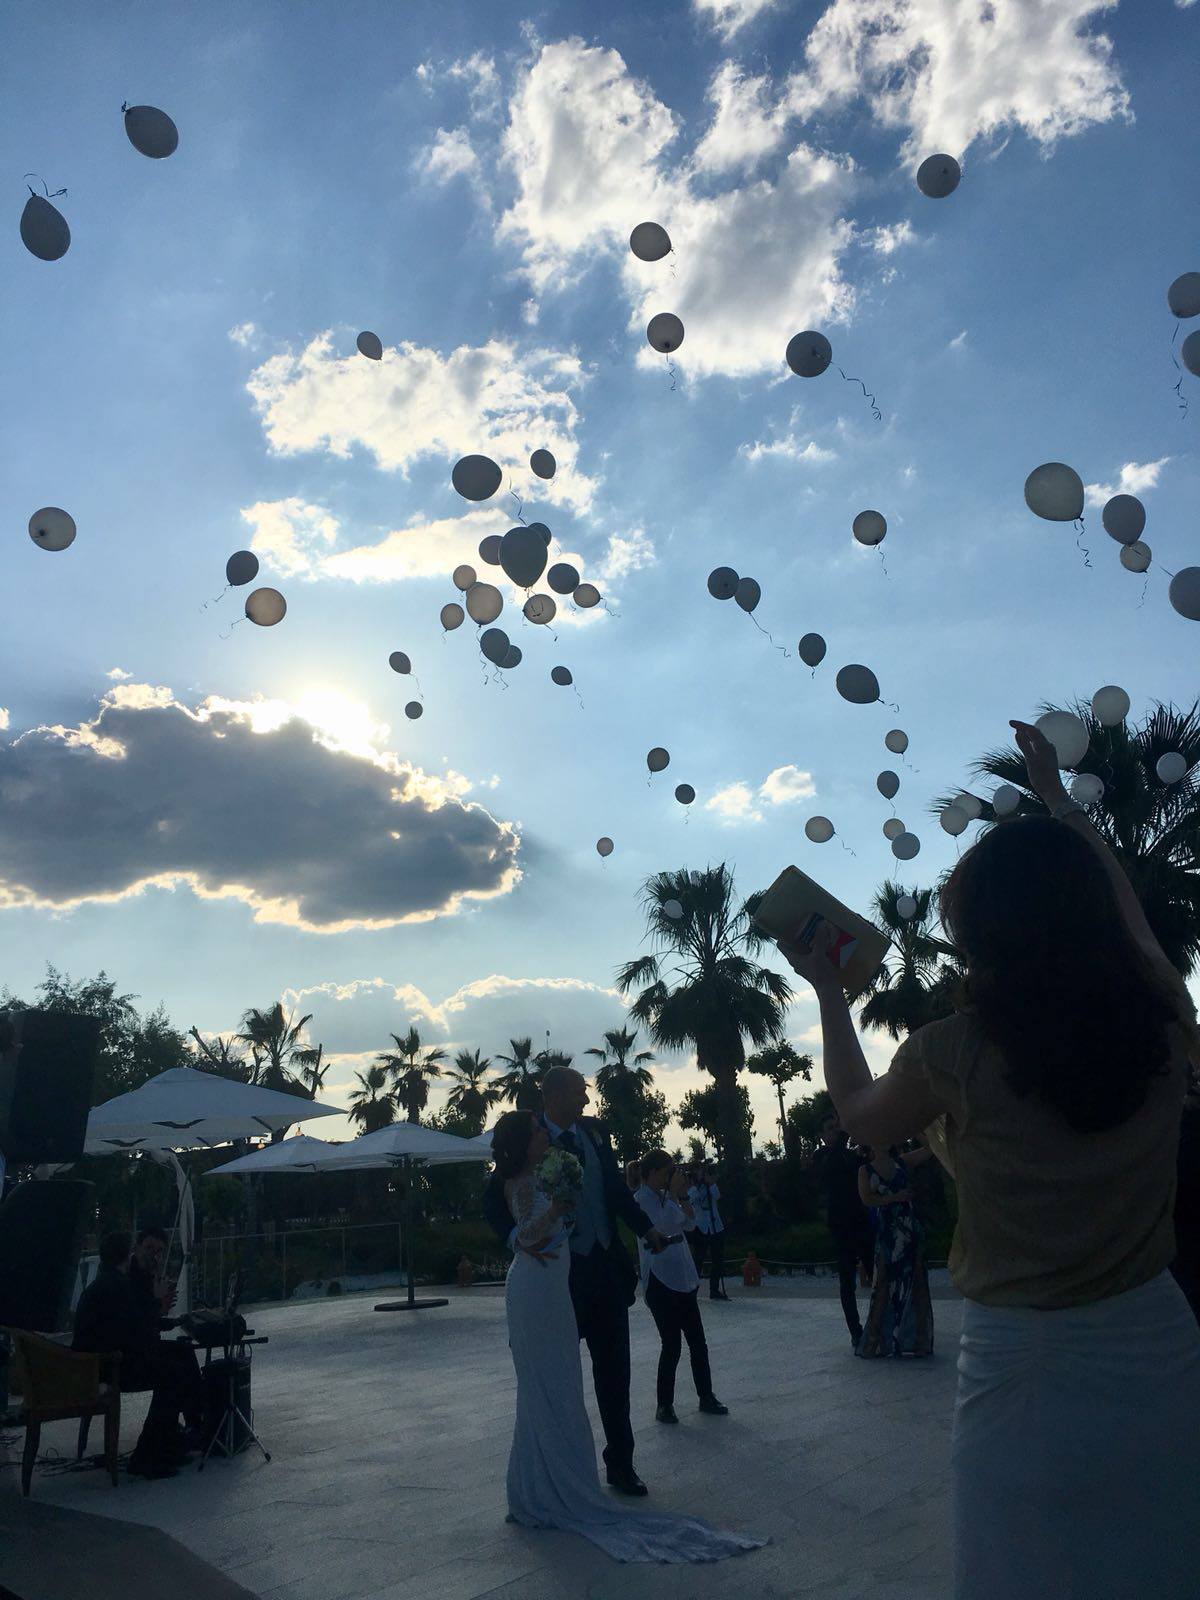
[219, 1056]
[373, 1104]
[274, 1042]
[802, 1137]
[707, 1110]
[472, 1096]
[636, 1115]
[412, 1069]
[715, 997]
[916, 982]
[519, 1084]
[313, 1069]
[781, 1063]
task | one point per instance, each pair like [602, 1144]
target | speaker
[42, 1227]
[47, 1064]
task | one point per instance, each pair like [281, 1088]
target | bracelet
[1065, 809]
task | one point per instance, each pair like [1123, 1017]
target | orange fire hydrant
[752, 1272]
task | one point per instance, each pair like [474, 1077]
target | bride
[552, 1477]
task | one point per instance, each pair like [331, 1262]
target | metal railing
[328, 1254]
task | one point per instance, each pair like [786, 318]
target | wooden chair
[56, 1385]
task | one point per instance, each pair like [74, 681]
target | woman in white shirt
[670, 1282]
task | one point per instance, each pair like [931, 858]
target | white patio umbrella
[296, 1154]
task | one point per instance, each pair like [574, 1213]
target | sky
[220, 815]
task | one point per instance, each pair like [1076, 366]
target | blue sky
[461, 179]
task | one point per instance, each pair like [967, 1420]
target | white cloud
[1135, 477]
[734, 803]
[449, 156]
[626, 553]
[886, 240]
[417, 403]
[787, 448]
[785, 784]
[958, 341]
[5, 716]
[738, 802]
[748, 122]
[728, 16]
[118, 674]
[291, 537]
[245, 334]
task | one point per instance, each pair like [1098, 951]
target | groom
[603, 1279]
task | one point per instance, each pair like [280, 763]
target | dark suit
[603, 1287]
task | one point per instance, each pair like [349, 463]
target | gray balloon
[869, 527]
[513, 657]
[896, 740]
[811, 649]
[370, 345]
[561, 676]
[1184, 593]
[888, 784]
[151, 131]
[1054, 491]
[1135, 557]
[463, 577]
[938, 176]
[484, 603]
[543, 463]
[563, 578]
[540, 608]
[808, 354]
[242, 567]
[650, 241]
[494, 644]
[452, 616]
[1183, 296]
[858, 684]
[665, 332]
[747, 594]
[685, 794]
[543, 530]
[399, 662]
[1189, 353]
[658, 759]
[586, 596]
[413, 710]
[52, 528]
[523, 556]
[44, 230]
[476, 477]
[266, 607]
[723, 583]
[893, 828]
[905, 846]
[489, 550]
[1124, 518]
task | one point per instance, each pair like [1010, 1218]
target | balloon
[658, 759]
[452, 616]
[1189, 353]
[604, 847]
[494, 645]
[266, 607]
[968, 805]
[1087, 788]
[586, 596]
[888, 784]
[1171, 767]
[869, 527]
[811, 649]
[665, 332]
[1110, 705]
[1005, 800]
[893, 828]
[938, 176]
[672, 909]
[1124, 517]
[44, 230]
[413, 710]
[540, 608]
[1055, 492]
[561, 676]
[1135, 557]
[858, 684]
[819, 829]
[650, 242]
[747, 594]
[370, 345]
[723, 583]
[905, 846]
[151, 131]
[1183, 296]
[52, 528]
[563, 578]
[685, 794]
[489, 550]
[484, 603]
[242, 567]
[463, 577]
[399, 662]
[896, 741]
[954, 821]
[513, 658]
[906, 907]
[523, 556]
[1067, 734]
[808, 354]
[543, 463]
[543, 530]
[1184, 593]
[476, 477]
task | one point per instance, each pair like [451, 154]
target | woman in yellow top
[1054, 1094]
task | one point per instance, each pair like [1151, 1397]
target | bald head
[564, 1095]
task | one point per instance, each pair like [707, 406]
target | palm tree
[519, 1084]
[373, 1103]
[781, 1063]
[412, 1069]
[915, 983]
[625, 1086]
[472, 1096]
[314, 1069]
[1152, 828]
[615, 1068]
[712, 997]
[274, 1043]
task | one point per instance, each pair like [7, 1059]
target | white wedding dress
[552, 1477]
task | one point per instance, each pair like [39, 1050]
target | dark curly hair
[510, 1143]
[1054, 975]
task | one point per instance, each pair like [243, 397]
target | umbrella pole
[412, 1303]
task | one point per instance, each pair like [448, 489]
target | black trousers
[855, 1245]
[170, 1371]
[599, 1294]
[711, 1245]
[677, 1317]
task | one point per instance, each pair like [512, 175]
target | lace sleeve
[531, 1220]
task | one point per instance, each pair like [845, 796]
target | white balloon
[1135, 557]
[52, 528]
[808, 353]
[896, 741]
[888, 784]
[893, 828]
[905, 846]
[1171, 767]
[586, 596]
[968, 805]
[242, 567]
[747, 594]
[370, 345]
[869, 527]
[672, 909]
[723, 583]
[953, 820]
[476, 477]
[266, 607]
[494, 645]
[906, 907]
[1184, 593]
[665, 332]
[1110, 705]
[543, 464]
[463, 577]
[489, 550]
[1087, 788]
[650, 241]
[938, 176]
[685, 794]
[1005, 800]
[413, 710]
[604, 847]
[452, 616]
[484, 603]
[658, 759]
[523, 556]
[399, 662]
[858, 684]
[1124, 518]
[1067, 733]
[1189, 353]
[819, 829]
[1054, 491]
[561, 676]
[44, 230]
[151, 131]
[1183, 296]
[540, 608]
[811, 649]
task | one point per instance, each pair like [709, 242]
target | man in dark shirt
[836, 1169]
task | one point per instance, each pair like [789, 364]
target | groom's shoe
[665, 1414]
[713, 1406]
[626, 1481]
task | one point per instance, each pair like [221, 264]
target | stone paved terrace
[390, 1433]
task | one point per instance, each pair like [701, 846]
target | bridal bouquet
[559, 1175]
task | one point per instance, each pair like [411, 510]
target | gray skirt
[1075, 1450]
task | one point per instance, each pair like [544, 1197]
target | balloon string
[578, 697]
[520, 502]
[875, 411]
[846, 847]
[1079, 544]
[44, 185]
[417, 681]
[672, 372]
[610, 610]
[671, 258]
[232, 626]
[891, 705]
[1161, 568]
[766, 634]
[1178, 386]
[883, 562]
[217, 597]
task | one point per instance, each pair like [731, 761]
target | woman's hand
[812, 961]
[1041, 763]
[678, 1185]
